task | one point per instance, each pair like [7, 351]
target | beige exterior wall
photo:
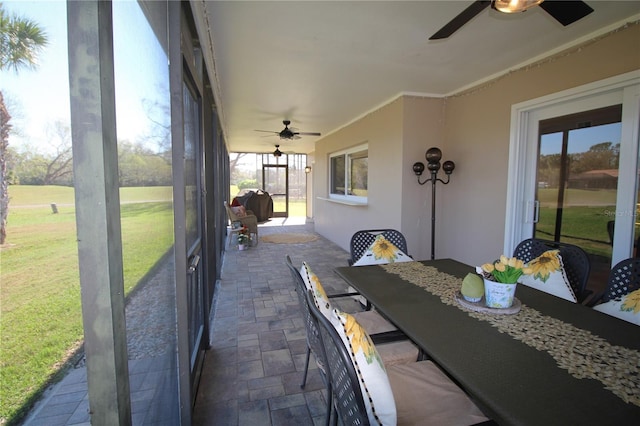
[472, 129]
[477, 134]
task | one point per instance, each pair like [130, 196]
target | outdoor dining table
[552, 363]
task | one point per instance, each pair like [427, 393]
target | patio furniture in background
[249, 220]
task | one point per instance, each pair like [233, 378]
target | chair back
[310, 323]
[575, 260]
[347, 395]
[361, 240]
[623, 279]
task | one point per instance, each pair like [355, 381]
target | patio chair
[395, 346]
[361, 240]
[623, 279]
[412, 394]
[576, 262]
[249, 220]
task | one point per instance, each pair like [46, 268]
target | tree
[21, 41]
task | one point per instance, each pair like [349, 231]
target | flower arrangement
[244, 237]
[505, 270]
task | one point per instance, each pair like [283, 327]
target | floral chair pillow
[372, 375]
[548, 275]
[239, 211]
[312, 282]
[626, 307]
[382, 251]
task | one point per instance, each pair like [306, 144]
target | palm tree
[21, 41]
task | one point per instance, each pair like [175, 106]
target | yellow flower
[488, 267]
[382, 248]
[360, 340]
[544, 265]
[631, 302]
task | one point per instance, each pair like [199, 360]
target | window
[349, 174]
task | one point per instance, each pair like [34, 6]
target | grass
[584, 222]
[41, 318]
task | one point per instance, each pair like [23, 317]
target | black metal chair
[623, 279]
[348, 401]
[314, 342]
[575, 260]
[361, 240]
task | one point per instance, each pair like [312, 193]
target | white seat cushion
[424, 395]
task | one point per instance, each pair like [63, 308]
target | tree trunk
[4, 143]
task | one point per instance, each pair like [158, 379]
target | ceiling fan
[565, 12]
[288, 133]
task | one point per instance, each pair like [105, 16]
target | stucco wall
[477, 129]
[472, 129]
[382, 130]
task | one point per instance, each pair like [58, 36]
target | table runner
[580, 352]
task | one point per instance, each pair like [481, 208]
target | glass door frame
[286, 186]
[525, 116]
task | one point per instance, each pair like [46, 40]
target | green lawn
[41, 318]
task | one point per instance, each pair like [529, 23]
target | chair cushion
[374, 383]
[424, 395]
[392, 353]
[626, 307]
[548, 275]
[239, 211]
[312, 282]
[382, 251]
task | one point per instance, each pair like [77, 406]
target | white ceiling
[323, 64]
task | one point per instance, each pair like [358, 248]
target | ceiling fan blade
[307, 133]
[267, 131]
[465, 16]
[566, 12]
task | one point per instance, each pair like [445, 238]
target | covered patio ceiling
[323, 64]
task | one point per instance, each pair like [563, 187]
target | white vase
[242, 247]
[499, 295]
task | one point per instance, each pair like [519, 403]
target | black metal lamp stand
[433, 157]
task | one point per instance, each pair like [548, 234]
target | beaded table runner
[588, 355]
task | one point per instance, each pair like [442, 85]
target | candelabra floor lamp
[433, 157]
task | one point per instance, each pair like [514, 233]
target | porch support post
[95, 165]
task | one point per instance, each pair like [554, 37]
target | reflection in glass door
[577, 181]
[275, 181]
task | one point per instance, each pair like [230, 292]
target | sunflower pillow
[626, 307]
[548, 275]
[312, 282]
[374, 382]
[382, 251]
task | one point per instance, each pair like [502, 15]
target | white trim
[525, 113]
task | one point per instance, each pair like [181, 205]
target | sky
[38, 98]
[582, 139]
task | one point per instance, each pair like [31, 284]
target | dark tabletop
[515, 378]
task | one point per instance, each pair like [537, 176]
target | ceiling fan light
[277, 152]
[514, 6]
